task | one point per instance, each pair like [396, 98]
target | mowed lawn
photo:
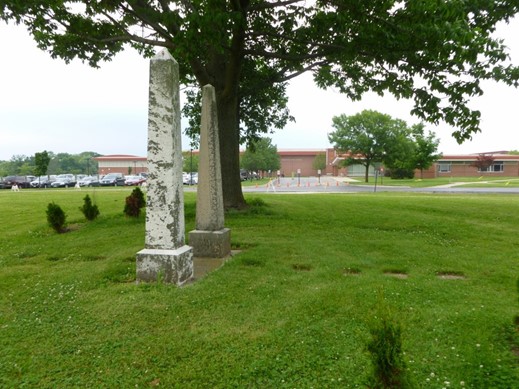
[292, 309]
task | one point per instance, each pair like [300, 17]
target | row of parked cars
[71, 180]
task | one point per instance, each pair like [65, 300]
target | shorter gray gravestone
[211, 238]
[165, 257]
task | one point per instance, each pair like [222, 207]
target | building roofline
[116, 157]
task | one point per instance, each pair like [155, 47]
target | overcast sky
[46, 104]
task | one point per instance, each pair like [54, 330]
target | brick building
[504, 164]
[303, 160]
[121, 163]
[292, 161]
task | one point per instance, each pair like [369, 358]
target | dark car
[21, 181]
[247, 175]
[43, 182]
[112, 179]
[63, 183]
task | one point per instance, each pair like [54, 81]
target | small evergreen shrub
[134, 203]
[56, 217]
[139, 195]
[385, 347]
[89, 210]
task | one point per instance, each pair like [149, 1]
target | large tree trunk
[229, 134]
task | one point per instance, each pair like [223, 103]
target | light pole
[191, 167]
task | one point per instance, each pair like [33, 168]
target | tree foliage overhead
[436, 52]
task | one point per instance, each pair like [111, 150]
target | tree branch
[266, 5]
[288, 77]
[283, 56]
[153, 24]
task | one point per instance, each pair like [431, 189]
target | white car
[190, 178]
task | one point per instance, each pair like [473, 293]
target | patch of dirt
[70, 228]
[301, 267]
[396, 274]
[450, 275]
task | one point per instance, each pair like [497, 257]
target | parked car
[134, 180]
[63, 182]
[244, 175]
[88, 181]
[43, 181]
[112, 179]
[190, 178]
[21, 181]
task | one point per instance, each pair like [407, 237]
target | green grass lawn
[469, 182]
[292, 309]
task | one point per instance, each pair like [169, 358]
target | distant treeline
[23, 165]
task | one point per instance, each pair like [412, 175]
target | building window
[496, 167]
[444, 167]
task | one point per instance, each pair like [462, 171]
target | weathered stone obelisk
[210, 239]
[165, 257]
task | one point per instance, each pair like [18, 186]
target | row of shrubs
[57, 218]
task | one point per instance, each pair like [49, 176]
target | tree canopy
[59, 163]
[434, 52]
[41, 160]
[261, 156]
[484, 161]
[190, 161]
[319, 162]
[426, 152]
[371, 137]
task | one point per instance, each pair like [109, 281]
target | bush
[134, 203]
[139, 196]
[56, 217]
[401, 173]
[89, 210]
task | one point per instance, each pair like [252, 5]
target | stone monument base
[168, 266]
[212, 244]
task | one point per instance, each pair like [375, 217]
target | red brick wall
[465, 169]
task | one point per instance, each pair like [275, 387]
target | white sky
[48, 105]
